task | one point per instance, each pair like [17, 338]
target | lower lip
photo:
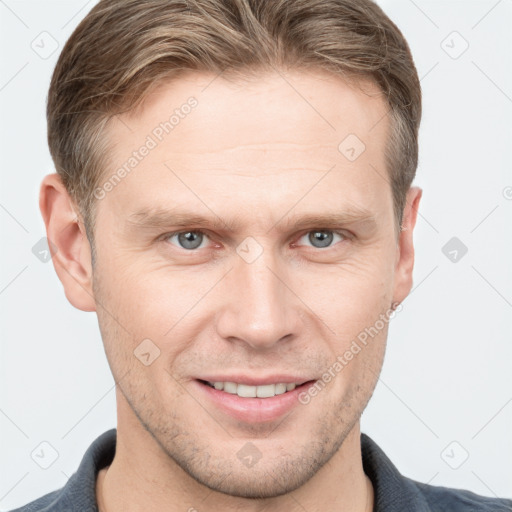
[253, 410]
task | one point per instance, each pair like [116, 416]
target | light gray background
[446, 388]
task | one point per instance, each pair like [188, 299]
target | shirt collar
[392, 491]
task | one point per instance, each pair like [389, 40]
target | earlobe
[70, 248]
[405, 250]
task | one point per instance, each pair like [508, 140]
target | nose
[260, 310]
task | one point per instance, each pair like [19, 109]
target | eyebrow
[156, 218]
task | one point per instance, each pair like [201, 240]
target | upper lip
[257, 381]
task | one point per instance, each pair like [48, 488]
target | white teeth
[245, 391]
[280, 389]
[230, 387]
[266, 391]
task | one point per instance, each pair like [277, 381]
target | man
[234, 199]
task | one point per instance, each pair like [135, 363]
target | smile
[250, 402]
[245, 391]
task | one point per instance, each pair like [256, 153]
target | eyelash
[342, 234]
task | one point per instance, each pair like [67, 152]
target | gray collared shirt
[393, 492]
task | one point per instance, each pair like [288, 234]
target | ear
[405, 251]
[69, 246]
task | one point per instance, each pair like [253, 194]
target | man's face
[280, 278]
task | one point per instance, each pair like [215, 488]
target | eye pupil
[322, 238]
[190, 239]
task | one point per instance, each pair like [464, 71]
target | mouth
[248, 391]
[250, 403]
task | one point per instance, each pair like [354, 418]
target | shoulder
[394, 492]
[79, 493]
[447, 499]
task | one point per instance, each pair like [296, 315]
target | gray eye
[189, 239]
[320, 238]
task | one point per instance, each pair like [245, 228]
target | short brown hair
[123, 48]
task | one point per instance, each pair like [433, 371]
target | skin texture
[261, 155]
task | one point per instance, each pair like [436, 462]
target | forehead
[272, 132]
[298, 106]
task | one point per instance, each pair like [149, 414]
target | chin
[257, 484]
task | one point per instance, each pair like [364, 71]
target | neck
[143, 477]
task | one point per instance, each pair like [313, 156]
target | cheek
[355, 370]
[162, 305]
[155, 298]
[354, 301]
[350, 296]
